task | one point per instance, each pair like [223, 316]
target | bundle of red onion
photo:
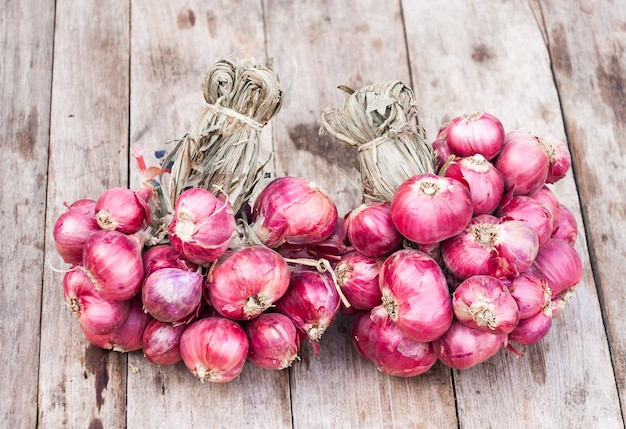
[461, 263]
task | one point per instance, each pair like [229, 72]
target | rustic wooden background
[83, 81]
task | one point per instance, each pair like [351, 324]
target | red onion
[427, 208]
[567, 228]
[97, 312]
[440, 146]
[172, 294]
[462, 347]
[532, 212]
[121, 210]
[532, 329]
[73, 228]
[560, 158]
[274, 341]
[332, 247]
[112, 261]
[214, 349]
[370, 229]
[546, 197]
[202, 226]
[484, 180]
[165, 256]
[161, 342]
[558, 303]
[523, 163]
[485, 303]
[498, 247]
[531, 292]
[560, 264]
[357, 276]
[476, 133]
[128, 337]
[311, 302]
[415, 295]
[379, 340]
[248, 282]
[293, 210]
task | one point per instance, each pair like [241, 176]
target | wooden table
[83, 81]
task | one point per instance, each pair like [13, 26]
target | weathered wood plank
[333, 43]
[471, 56]
[25, 77]
[81, 385]
[173, 46]
[587, 45]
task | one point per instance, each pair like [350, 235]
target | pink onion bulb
[357, 276]
[567, 228]
[379, 340]
[462, 347]
[122, 210]
[293, 210]
[248, 282]
[523, 163]
[274, 341]
[172, 294]
[370, 229]
[73, 228]
[485, 303]
[165, 256]
[560, 264]
[531, 292]
[532, 329]
[475, 133]
[550, 201]
[427, 208]
[560, 158]
[498, 247]
[161, 342]
[415, 295]
[442, 151]
[214, 349]
[532, 212]
[202, 226]
[112, 261]
[95, 311]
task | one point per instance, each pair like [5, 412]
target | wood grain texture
[25, 77]
[79, 384]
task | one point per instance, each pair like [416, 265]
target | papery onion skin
[485, 303]
[214, 349]
[523, 163]
[484, 180]
[161, 342]
[311, 302]
[379, 340]
[165, 256]
[273, 341]
[113, 262]
[248, 282]
[462, 347]
[97, 312]
[427, 208]
[532, 329]
[531, 211]
[546, 196]
[73, 228]
[560, 158]
[370, 229]
[357, 276]
[172, 294]
[498, 247]
[293, 210]
[567, 228]
[560, 264]
[122, 210]
[531, 292]
[475, 133]
[415, 295]
[202, 226]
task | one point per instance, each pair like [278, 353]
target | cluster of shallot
[202, 297]
[459, 264]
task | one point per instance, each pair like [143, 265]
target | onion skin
[202, 226]
[531, 292]
[273, 341]
[560, 264]
[357, 276]
[462, 347]
[370, 229]
[476, 133]
[248, 282]
[427, 208]
[532, 329]
[172, 294]
[485, 303]
[73, 228]
[523, 163]
[379, 340]
[161, 342]
[122, 210]
[415, 295]
[560, 158]
[97, 312]
[165, 256]
[532, 212]
[113, 262]
[214, 349]
[484, 180]
[549, 200]
[567, 228]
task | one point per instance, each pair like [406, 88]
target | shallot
[172, 294]
[523, 163]
[122, 210]
[161, 342]
[476, 133]
[273, 341]
[73, 228]
[357, 276]
[370, 229]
